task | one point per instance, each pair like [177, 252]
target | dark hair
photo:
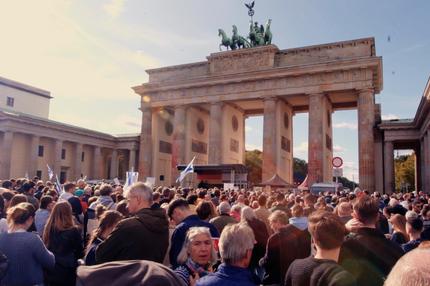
[1, 206]
[105, 190]
[262, 200]
[367, 209]
[191, 199]
[280, 197]
[297, 211]
[155, 196]
[205, 210]
[416, 224]
[45, 201]
[202, 194]
[326, 229]
[7, 184]
[68, 186]
[8, 195]
[178, 203]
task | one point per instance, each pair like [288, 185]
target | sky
[89, 54]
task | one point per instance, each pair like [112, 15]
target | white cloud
[248, 128]
[114, 8]
[346, 125]
[389, 117]
[338, 149]
[251, 147]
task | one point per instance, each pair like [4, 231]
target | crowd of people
[105, 234]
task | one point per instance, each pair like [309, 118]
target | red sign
[337, 162]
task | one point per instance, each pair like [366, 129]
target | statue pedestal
[249, 59]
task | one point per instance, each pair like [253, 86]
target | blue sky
[89, 53]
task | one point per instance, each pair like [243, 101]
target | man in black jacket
[366, 253]
[144, 236]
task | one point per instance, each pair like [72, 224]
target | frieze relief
[266, 84]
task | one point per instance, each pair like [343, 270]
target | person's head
[414, 226]
[262, 201]
[280, 198]
[297, 211]
[81, 184]
[236, 244]
[366, 210]
[326, 229]
[107, 223]
[47, 203]
[105, 190]
[224, 208]
[399, 223]
[309, 200]
[417, 206]
[344, 209]
[411, 269]
[17, 199]
[28, 188]
[247, 214]
[139, 196]
[69, 188]
[178, 210]
[198, 246]
[205, 210]
[61, 219]
[21, 216]
[277, 220]
[122, 208]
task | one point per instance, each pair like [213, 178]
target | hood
[299, 222]
[154, 219]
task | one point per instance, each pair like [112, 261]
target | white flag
[50, 172]
[131, 178]
[187, 170]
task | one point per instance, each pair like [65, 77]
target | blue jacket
[228, 275]
[178, 236]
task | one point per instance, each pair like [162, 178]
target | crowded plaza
[107, 234]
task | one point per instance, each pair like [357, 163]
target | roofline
[25, 87]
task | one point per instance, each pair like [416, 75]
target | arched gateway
[200, 108]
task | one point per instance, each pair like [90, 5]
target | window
[10, 101]
[63, 154]
[161, 177]
[40, 152]
[63, 177]
[82, 156]
[39, 174]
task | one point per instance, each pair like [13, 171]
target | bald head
[411, 269]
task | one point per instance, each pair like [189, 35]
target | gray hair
[411, 269]
[235, 241]
[142, 190]
[247, 214]
[224, 208]
[191, 234]
[236, 208]
[279, 216]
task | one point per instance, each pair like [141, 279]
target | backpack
[4, 264]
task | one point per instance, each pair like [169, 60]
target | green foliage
[254, 161]
[405, 172]
[300, 170]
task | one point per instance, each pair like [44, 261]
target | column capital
[366, 90]
[270, 98]
[217, 103]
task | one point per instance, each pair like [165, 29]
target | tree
[300, 170]
[405, 172]
[254, 161]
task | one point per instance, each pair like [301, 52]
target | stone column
[388, 167]
[97, 167]
[178, 140]
[215, 133]
[77, 165]
[6, 158]
[132, 159]
[34, 154]
[145, 150]
[316, 139]
[269, 138]
[366, 122]
[56, 167]
[114, 165]
[427, 162]
[423, 164]
[417, 156]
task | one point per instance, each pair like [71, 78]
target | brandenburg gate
[199, 109]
